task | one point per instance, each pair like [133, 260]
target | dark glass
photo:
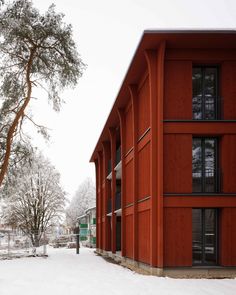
[210, 165]
[197, 93]
[210, 236]
[197, 236]
[204, 236]
[197, 165]
[210, 93]
[204, 85]
[204, 165]
[118, 155]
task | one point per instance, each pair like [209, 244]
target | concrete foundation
[216, 272]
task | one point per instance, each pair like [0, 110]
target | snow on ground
[64, 272]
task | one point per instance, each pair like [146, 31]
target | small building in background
[91, 217]
[87, 223]
[83, 224]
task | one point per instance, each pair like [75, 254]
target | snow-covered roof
[81, 216]
[90, 209]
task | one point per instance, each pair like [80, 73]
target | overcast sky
[107, 33]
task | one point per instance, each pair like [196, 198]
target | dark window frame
[217, 182]
[216, 230]
[218, 107]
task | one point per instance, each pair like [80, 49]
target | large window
[204, 236]
[205, 93]
[205, 171]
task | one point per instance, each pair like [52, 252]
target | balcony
[118, 201]
[109, 173]
[118, 155]
[109, 207]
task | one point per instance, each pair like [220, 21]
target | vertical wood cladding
[103, 218]
[144, 172]
[228, 89]
[142, 220]
[129, 189]
[144, 236]
[129, 235]
[104, 201]
[128, 129]
[228, 163]
[177, 163]
[228, 237]
[178, 237]
[143, 107]
[178, 90]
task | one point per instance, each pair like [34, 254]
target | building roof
[90, 209]
[81, 216]
[180, 38]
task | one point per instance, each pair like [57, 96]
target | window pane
[197, 165]
[197, 240]
[210, 236]
[210, 170]
[210, 94]
[204, 236]
[197, 93]
[204, 170]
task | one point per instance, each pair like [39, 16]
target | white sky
[107, 33]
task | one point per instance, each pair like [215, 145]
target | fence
[18, 245]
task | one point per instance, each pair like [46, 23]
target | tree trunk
[18, 116]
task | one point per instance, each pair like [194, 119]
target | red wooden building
[166, 158]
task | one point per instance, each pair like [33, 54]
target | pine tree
[36, 50]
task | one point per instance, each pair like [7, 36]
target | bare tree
[84, 198]
[36, 198]
[36, 51]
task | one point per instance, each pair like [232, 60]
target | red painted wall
[177, 163]
[228, 163]
[144, 236]
[178, 90]
[178, 237]
[228, 237]
[129, 235]
[128, 129]
[129, 190]
[177, 160]
[144, 172]
[143, 107]
[98, 241]
[228, 89]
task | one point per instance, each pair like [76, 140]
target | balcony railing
[208, 181]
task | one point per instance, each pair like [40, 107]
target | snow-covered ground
[64, 272]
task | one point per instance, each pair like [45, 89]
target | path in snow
[64, 272]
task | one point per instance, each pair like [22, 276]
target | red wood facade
[151, 120]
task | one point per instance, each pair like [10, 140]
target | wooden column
[160, 143]
[100, 199]
[97, 184]
[155, 62]
[106, 156]
[123, 220]
[112, 134]
[134, 98]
